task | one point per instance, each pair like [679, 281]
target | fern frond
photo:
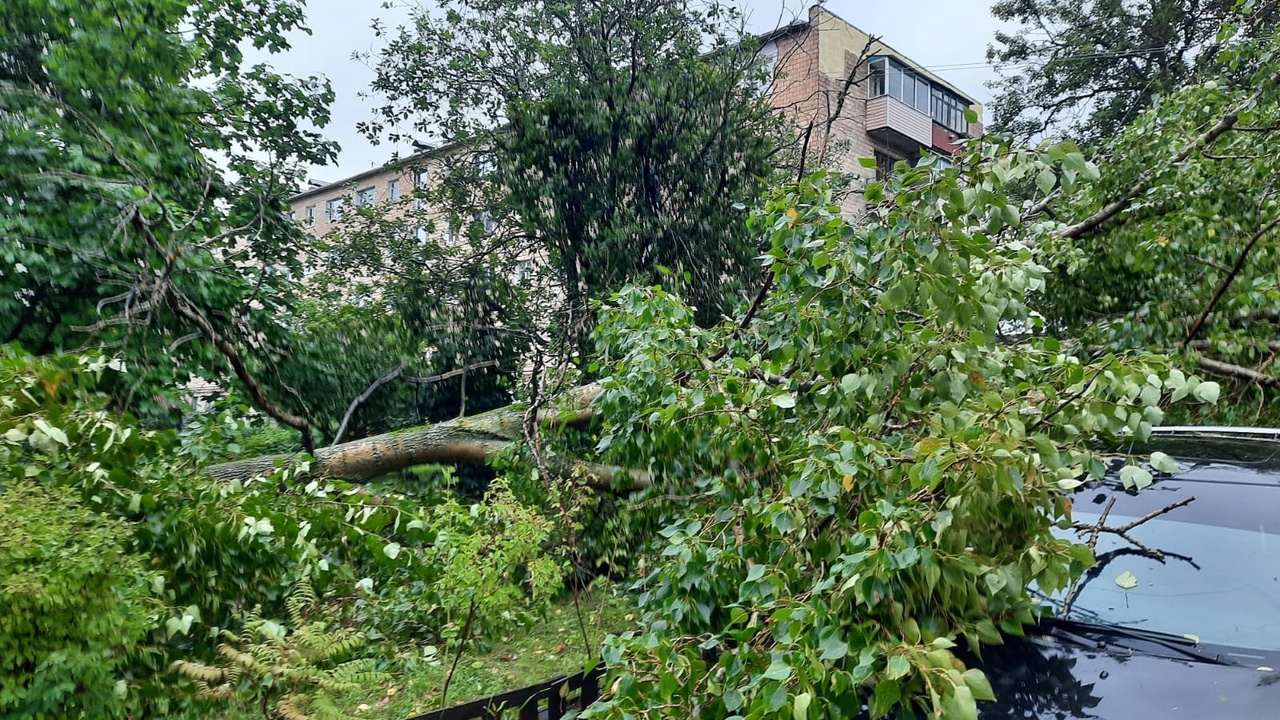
[198, 671]
[287, 709]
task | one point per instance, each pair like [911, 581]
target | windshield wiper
[1096, 634]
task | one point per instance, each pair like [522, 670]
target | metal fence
[548, 700]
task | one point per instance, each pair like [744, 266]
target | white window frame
[367, 197]
[393, 190]
[309, 216]
[333, 210]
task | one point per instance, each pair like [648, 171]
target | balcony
[897, 124]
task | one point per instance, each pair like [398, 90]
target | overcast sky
[937, 34]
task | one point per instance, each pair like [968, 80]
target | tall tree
[143, 182]
[1084, 70]
[616, 139]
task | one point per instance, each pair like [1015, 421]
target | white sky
[933, 33]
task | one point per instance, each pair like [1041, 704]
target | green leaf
[1207, 392]
[777, 696]
[732, 699]
[979, 684]
[1164, 463]
[1046, 180]
[61, 437]
[833, 648]
[897, 667]
[756, 572]
[391, 550]
[1127, 580]
[786, 400]
[1134, 477]
[778, 670]
[800, 706]
[960, 704]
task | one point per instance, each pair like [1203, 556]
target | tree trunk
[468, 439]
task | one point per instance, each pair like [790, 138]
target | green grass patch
[539, 649]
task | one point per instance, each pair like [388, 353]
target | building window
[521, 272]
[393, 190]
[366, 197]
[766, 62]
[486, 221]
[890, 77]
[420, 180]
[309, 216]
[333, 210]
[948, 111]
[884, 165]
[451, 236]
[293, 215]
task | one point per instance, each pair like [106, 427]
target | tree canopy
[1084, 71]
[615, 139]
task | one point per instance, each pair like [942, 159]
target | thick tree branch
[1238, 372]
[1114, 208]
[342, 429]
[1230, 278]
[229, 351]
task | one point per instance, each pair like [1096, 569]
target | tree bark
[469, 439]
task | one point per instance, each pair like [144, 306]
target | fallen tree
[473, 439]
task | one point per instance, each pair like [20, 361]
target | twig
[183, 340]
[462, 643]
[342, 429]
[1123, 530]
[452, 373]
[1154, 514]
[1093, 543]
[1065, 403]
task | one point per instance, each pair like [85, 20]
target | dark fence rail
[548, 700]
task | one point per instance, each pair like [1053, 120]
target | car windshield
[1219, 580]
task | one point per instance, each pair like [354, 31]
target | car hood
[1042, 677]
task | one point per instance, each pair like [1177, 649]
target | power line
[1015, 66]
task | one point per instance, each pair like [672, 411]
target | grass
[541, 649]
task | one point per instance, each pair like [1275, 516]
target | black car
[1182, 623]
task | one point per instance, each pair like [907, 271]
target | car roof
[1235, 483]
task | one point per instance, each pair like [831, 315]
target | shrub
[75, 606]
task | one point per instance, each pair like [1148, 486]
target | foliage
[600, 137]
[394, 565]
[867, 471]
[143, 183]
[292, 671]
[1085, 70]
[1190, 268]
[74, 612]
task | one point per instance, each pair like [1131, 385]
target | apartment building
[863, 98]
[855, 95]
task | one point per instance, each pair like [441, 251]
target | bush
[75, 606]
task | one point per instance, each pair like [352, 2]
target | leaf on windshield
[1164, 463]
[1127, 580]
[1134, 476]
[1193, 638]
